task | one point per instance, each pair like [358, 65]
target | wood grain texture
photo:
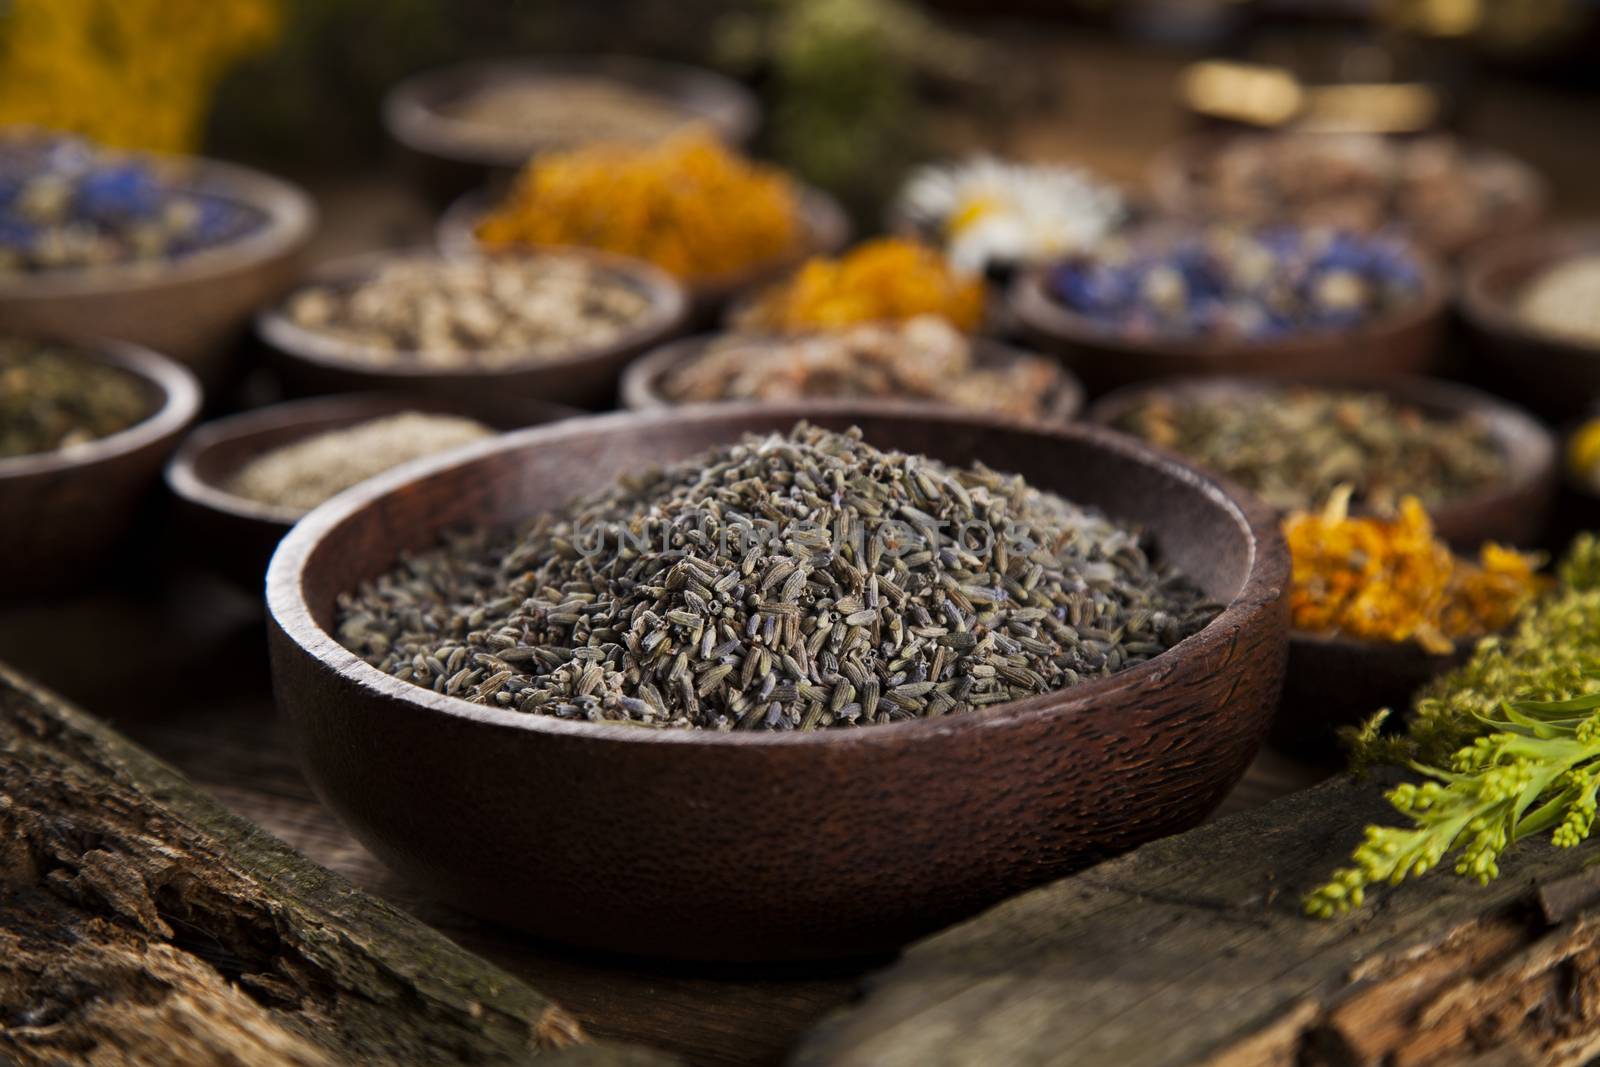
[142, 924]
[1192, 950]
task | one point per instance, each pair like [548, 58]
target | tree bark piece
[1192, 950]
[141, 924]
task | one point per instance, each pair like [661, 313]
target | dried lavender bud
[784, 582]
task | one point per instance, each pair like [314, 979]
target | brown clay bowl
[63, 513]
[1513, 512]
[1173, 179]
[747, 845]
[1558, 377]
[1335, 681]
[235, 535]
[641, 382]
[825, 230]
[1402, 342]
[451, 158]
[313, 362]
[194, 309]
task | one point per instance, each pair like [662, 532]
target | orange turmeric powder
[1393, 580]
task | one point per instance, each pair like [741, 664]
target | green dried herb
[1294, 446]
[1518, 728]
[53, 397]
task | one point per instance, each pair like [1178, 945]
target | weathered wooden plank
[140, 923]
[1192, 950]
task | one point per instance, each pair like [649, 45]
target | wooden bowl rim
[314, 415]
[641, 379]
[290, 216]
[177, 388]
[1266, 578]
[1488, 310]
[1530, 447]
[411, 115]
[825, 229]
[669, 309]
[1169, 175]
[1030, 300]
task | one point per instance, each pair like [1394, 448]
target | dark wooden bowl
[313, 362]
[824, 225]
[1175, 190]
[62, 513]
[449, 159]
[1514, 512]
[756, 845]
[194, 309]
[1335, 681]
[235, 535]
[1556, 376]
[1402, 342]
[641, 382]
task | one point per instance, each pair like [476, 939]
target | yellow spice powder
[1393, 580]
[688, 205]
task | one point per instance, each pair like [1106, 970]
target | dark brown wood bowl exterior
[1514, 512]
[825, 229]
[1335, 681]
[311, 362]
[1171, 180]
[63, 513]
[755, 845]
[194, 310]
[1556, 376]
[236, 536]
[1402, 342]
[641, 382]
[448, 162]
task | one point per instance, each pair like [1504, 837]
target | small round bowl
[451, 159]
[1401, 342]
[1334, 681]
[1174, 188]
[1558, 377]
[766, 845]
[1513, 512]
[193, 309]
[64, 512]
[235, 535]
[824, 226]
[310, 361]
[641, 382]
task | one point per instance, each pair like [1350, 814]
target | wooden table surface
[179, 665]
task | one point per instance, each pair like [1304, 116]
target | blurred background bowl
[194, 309]
[450, 158]
[64, 512]
[235, 535]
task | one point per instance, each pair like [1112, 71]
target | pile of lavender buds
[1226, 283]
[67, 204]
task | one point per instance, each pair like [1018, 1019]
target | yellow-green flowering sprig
[1535, 772]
